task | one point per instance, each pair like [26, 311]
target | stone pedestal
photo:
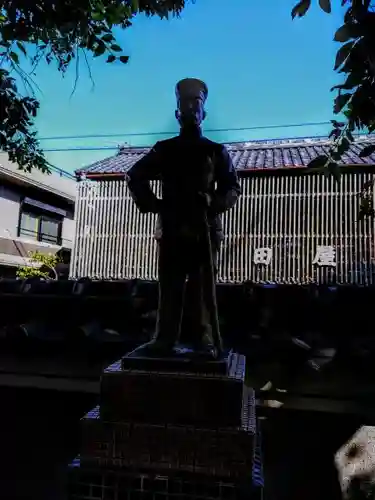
[198, 395]
[168, 428]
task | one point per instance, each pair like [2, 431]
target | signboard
[325, 256]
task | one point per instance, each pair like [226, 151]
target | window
[49, 230]
[37, 225]
[29, 224]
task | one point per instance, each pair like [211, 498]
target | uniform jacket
[186, 166]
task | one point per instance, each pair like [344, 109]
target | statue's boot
[156, 348]
[203, 349]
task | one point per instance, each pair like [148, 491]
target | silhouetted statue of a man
[199, 183]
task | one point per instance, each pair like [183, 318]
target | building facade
[36, 213]
[291, 225]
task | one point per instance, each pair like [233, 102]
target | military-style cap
[191, 87]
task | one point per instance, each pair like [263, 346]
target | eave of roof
[61, 185]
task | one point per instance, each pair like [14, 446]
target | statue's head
[191, 96]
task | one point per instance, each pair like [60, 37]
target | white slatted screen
[290, 214]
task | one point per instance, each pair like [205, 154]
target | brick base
[223, 453]
[103, 484]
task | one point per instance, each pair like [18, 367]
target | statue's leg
[197, 315]
[172, 277]
[196, 328]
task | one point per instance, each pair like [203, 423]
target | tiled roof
[256, 155]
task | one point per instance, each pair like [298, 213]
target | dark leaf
[98, 16]
[353, 80]
[111, 58]
[108, 37]
[363, 109]
[335, 156]
[21, 46]
[342, 54]
[325, 5]
[340, 102]
[301, 8]
[367, 151]
[361, 213]
[14, 57]
[91, 40]
[350, 136]
[359, 8]
[368, 185]
[124, 59]
[343, 146]
[124, 11]
[337, 124]
[335, 134]
[355, 62]
[116, 48]
[334, 170]
[319, 161]
[346, 32]
[366, 208]
[99, 49]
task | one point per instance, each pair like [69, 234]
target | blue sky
[261, 68]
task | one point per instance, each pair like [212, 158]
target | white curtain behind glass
[49, 230]
[29, 226]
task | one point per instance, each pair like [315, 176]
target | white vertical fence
[290, 214]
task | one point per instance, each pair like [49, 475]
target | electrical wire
[140, 134]
[116, 148]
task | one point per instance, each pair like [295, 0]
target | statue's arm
[139, 176]
[227, 185]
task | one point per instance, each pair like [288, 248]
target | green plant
[355, 96]
[41, 265]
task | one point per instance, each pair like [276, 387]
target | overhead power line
[61, 172]
[55, 150]
[140, 134]
[116, 148]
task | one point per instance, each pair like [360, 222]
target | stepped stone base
[201, 399]
[221, 452]
[186, 430]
